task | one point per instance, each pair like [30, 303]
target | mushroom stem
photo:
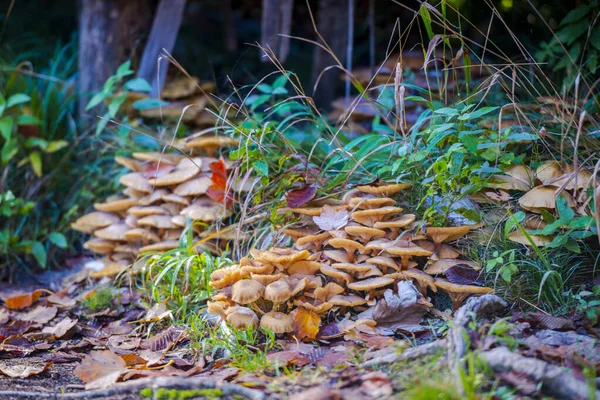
[254, 306]
[457, 299]
[405, 260]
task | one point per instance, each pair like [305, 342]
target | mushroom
[100, 246]
[140, 234]
[157, 221]
[421, 279]
[394, 225]
[445, 234]
[324, 293]
[349, 245]
[280, 258]
[543, 198]
[267, 279]
[113, 232]
[364, 233]
[156, 156]
[184, 171]
[315, 211]
[407, 252]
[160, 246]
[130, 164]
[115, 205]
[352, 268]
[384, 190]
[349, 300]
[217, 308]
[97, 219]
[371, 272]
[371, 283]
[384, 263]
[139, 211]
[337, 255]
[210, 144]
[538, 240]
[314, 306]
[246, 291]
[277, 322]
[369, 203]
[194, 187]
[458, 293]
[370, 217]
[443, 251]
[315, 241]
[336, 274]
[507, 182]
[278, 292]
[177, 199]
[549, 171]
[304, 267]
[136, 181]
[156, 196]
[226, 276]
[241, 317]
[443, 264]
[205, 209]
[253, 267]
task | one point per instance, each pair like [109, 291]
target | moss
[175, 394]
[101, 299]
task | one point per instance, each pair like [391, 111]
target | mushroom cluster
[346, 254]
[162, 191]
[542, 187]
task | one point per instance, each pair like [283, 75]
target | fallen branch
[556, 381]
[179, 383]
[408, 354]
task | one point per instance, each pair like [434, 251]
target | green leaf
[101, 124]
[36, 142]
[261, 167]
[477, 113]
[470, 141]
[58, 239]
[28, 120]
[447, 111]
[97, 99]
[138, 85]
[565, 212]
[553, 227]
[9, 150]
[280, 82]
[56, 145]
[264, 88]
[16, 99]
[6, 126]
[145, 104]
[513, 221]
[124, 69]
[426, 20]
[39, 253]
[35, 159]
[115, 104]
[582, 222]
[575, 15]
[572, 245]
[2, 103]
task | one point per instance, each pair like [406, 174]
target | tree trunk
[165, 27]
[332, 19]
[109, 32]
[276, 21]
[228, 26]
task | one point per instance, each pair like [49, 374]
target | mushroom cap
[443, 264]
[115, 205]
[507, 182]
[172, 234]
[256, 268]
[296, 233]
[520, 172]
[100, 246]
[542, 197]
[318, 238]
[246, 291]
[194, 187]
[205, 209]
[352, 267]
[156, 196]
[539, 240]
[335, 273]
[421, 277]
[97, 219]
[447, 234]
[130, 164]
[325, 292]
[266, 279]
[140, 211]
[568, 180]
[278, 291]
[304, 267]
[364, 232]
[549, 171]
[137, 181]
[379, 245]
[185, 170]
[281, 258]
[385, 190]
[413, 250]
[368, 203]
[337, 255]
[444, 250]
[226, 276]
[113, 232]
[211, 142]
[448, 286]
[315, 211]
[373, 271]
[277, 322]
[160, 246]
[399, 222]
[177, 199]
[371, 283]
[349, 300]
[157, 156]
[241, 317]
[370, 217]
[157, 221]
[349, 245]
[384, 261]
[137, 234]
[127, 248]
[184, 86]
[534, 221]
[217, 308]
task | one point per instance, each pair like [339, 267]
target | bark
[228, 26]
[332, 19]
[276, 21]
[109, 33]
[163, 35]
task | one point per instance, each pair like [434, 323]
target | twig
[556, 381]
[409, 354]
[180, 383]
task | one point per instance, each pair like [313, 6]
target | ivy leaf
[58, 239]
[39, 253]
[145, 104]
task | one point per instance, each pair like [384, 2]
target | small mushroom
[543, 198]
[226, 276]
[280, 258]
[145, 211]
[97, 219]
[349, 245]
[154, 197]
[443, 264]
[352, 268]
[458, 293]
[315, 241]
[130, 164]
[365, 234]
[140, 235]
[370, 217]
[349, 300]
[394, 225]
[113, 232]
[444, 250]
[407, 252]
[369, 203]
[446, 234]
[115, 205]
[211, 144]
[538, 240]
[337, 255]
[371, 283]
[278, 292]
[384, 263]
[205, 209]
[421, 279]
[136, 181]
[246, 291]
[304, 267]
[277, 322]
[100, 246]
[194, 187]
[157, 156]
[157, 221]
[383, 190]
[217, 308]
[336, 274]
[241, 317]
[324, 293]
[160, 246]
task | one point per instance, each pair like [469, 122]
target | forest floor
[55, 347]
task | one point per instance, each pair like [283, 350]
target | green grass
[101, 299]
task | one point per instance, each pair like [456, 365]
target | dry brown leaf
[61, 299]
[62, 329]
[306, 324]
[132, 359]
[23, 371]
[40, 315]
[22, 301]
[100, 369]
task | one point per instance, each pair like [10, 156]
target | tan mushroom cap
[304, 267]
[364, 233]
[373, 271]
[246, 291]
[160, 246]
[335, 273]
[157, 221]
[567, 180]
[156, 196]
[385, 190]
[539, 240]
[325, 292]
[408, 251]
[172, 234]
[534, 221]
[97, 219]
[217, 308]
[316, 307]
[447, 234]
[177, 199]
[542, 198]
[296, 233]
[347, 244]
[549, 171]
[507, 182]
[423, 280]
[317, 240]
[400, 222]
[241, 317]
[113, 232]
[443, 264]
[337, 255]
[352, 267]
[158, 157]
[459, 292]
[384, 262]
[521, 172]
[136, 181]
[130, 164]
[140, 234]
[315, 211]
[184, 86]
[179, 220]
[128, 249]
[254, 267]
[277, 322]
[100, 246]
[370, 217]
[278, 291]
[194, 187]
[211, 142]
[371, 283]
[184, 171]
[266, 279]
[379, 245]
[443, 251]
[143, 211]
[205, 209]
[281, 258]
[368, 203]
[226, 276]
[350, 300]
[115, 205]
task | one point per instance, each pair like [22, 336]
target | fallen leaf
[22, 301]
[306, 324]
[157, 169]
[288, 357]
[61, 299]
[100, 369]
[331, 220]
[377, 384]
[41, 315]
[62, 329]
[16, 328]
[164, 340]
[4, 315]
[463, 275]
[300, 196]
[218, 191]
[318, 393]
[132, 359]
[23, 371]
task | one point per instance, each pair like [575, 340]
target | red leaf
[218, 190]
[156, 169]
[299, 197]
